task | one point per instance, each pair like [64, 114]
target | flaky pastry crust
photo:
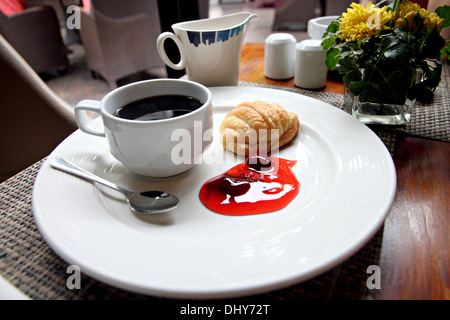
[258, 127]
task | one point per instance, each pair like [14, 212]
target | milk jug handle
[162, 52]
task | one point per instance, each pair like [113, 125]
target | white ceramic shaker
[310, 68]
[279, 56]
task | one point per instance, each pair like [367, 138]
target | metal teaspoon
[148, 202]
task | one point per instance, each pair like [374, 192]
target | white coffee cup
[152, 147]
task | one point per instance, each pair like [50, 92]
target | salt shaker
[279, 56]
[310, 68]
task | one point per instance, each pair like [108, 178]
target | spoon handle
[66, 166]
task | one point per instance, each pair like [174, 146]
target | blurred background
[106, 51]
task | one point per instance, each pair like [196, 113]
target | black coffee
[158, 107]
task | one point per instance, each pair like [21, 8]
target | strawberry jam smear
[260, 184]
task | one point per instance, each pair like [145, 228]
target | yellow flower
[406, 13]
[405, 8]
[359, 23]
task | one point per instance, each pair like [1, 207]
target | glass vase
[394, 102]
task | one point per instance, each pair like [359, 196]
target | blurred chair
[35, 34]
[70, 36]
[119, 37]
[294, 15]
[33, 119]
[60, 7]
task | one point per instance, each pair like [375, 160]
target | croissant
[258, 127]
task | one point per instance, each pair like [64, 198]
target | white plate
[347, 178]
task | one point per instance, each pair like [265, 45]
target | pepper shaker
[310, 68]
[279, 56]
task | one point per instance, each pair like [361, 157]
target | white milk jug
[210, 49]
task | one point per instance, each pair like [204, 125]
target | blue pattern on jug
[210, 37]
[235, 31]
[223, 35]
[194, 37]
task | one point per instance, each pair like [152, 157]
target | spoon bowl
[147, 202]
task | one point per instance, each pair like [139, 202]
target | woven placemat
[432, 119]
[30, 264]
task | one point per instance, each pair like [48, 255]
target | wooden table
[252, 70]
[415, 254]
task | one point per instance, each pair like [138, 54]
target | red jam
[258, 185]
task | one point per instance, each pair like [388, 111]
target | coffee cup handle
[84, 123]
[162, 52]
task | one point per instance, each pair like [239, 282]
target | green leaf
[389, 43]
[397, 51]
[391, 47]
[332, 58]
[400, 81]
[350, 77]
[356, 88]
[391, 22]
[328, 43]
[444, 13]
[372, 93]
[333, 27]
[419, 24]
[445, 52]
[347, 65]
[431, 44]
[404, 35]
